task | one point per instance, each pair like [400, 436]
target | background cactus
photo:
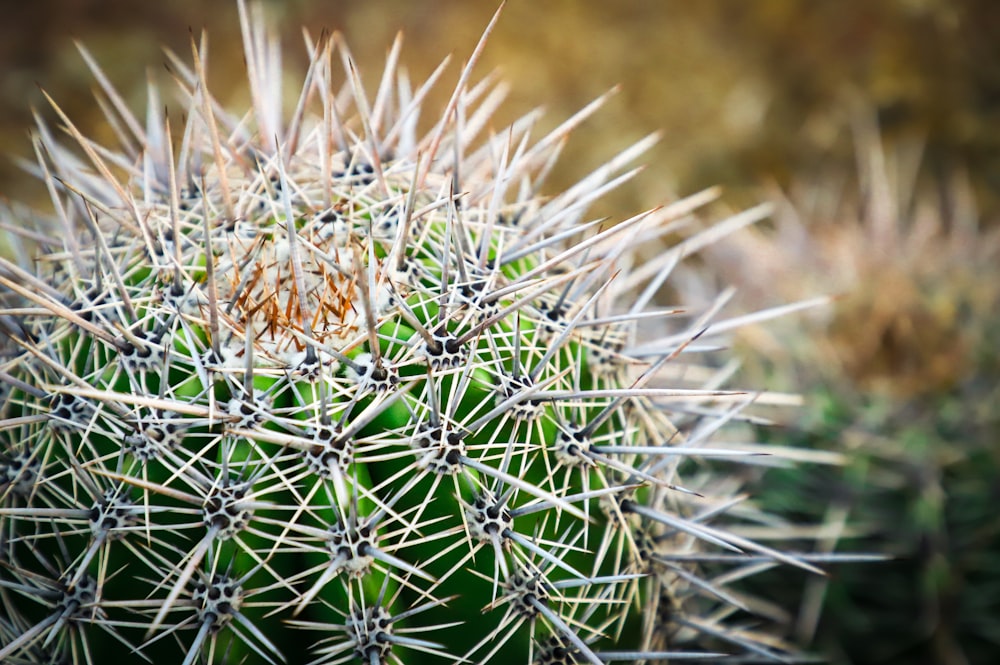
[901, 374]
[349, 377]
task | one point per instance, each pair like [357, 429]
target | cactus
[329, 389]
[902, 376]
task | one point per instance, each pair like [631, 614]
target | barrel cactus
[334, 388]
[901, 378]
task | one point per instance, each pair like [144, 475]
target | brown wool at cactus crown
[330, 382]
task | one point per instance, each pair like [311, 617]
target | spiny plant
[902, 375]
[335, 384]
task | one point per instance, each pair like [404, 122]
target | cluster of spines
[387, 372]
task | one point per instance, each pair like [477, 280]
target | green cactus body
[331, 384]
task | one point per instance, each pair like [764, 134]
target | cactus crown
[333, 377]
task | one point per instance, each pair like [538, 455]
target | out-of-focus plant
[903, 369]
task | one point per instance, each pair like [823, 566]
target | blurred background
[871, 125]
[741, 91]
